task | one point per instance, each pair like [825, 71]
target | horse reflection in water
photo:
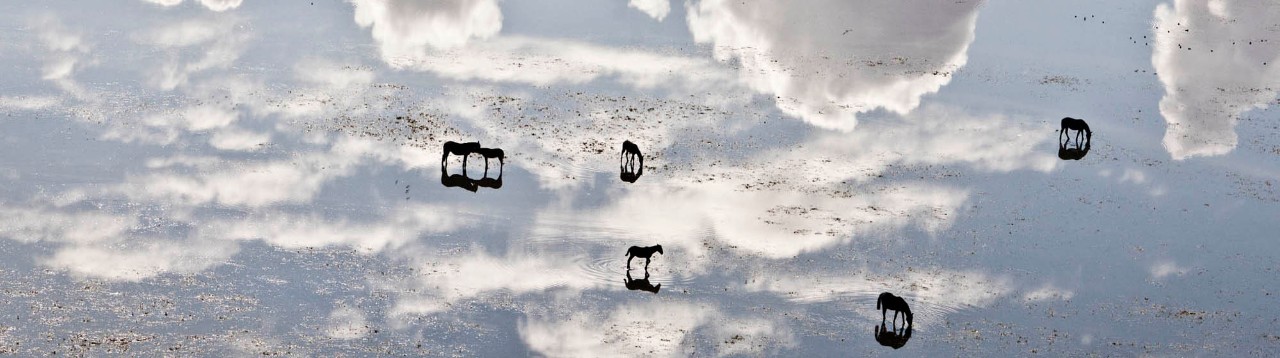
[641, 284]
[457, 180]
[895, 338]
[461, 180]
[629, 171]
[1072, 153]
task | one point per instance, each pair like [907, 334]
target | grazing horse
[489, 153]
[630, 151]
[1077, 125]
[888, 301]
[628, 171]
[463, 149]
[896, 338]
[642, 252]
[1075, 153]
[642, 284]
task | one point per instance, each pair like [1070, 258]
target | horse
[642, 284]
[1077, 125]
[630, 151]
[642, 252]
[463, 149]
[489, 153]
[888, 301]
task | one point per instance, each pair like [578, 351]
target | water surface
[217, 177]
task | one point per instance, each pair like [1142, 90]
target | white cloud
[38, 225]
[650, 329]
[194, 46]
[1205, 92]
[935, 134]
[453, 278]
[346, 323]
[1048, 292]
[238, 139]
[657, 9]
[541, 62]
[406, 28]
[331, 75]
[28, 103]
[826, 61]
[1166, 268]
[393, 229]
[221, 5]
[66, 52]
[215, 5]
[135, 260]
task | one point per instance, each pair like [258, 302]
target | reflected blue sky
[223, 177]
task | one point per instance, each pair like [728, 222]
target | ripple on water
[614, 270]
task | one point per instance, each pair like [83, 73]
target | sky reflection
[262, 177]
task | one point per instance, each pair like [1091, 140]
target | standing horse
[645, 253]
[1077, 125]
[489, 153]
[463, 149]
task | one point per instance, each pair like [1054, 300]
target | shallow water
[260, 178]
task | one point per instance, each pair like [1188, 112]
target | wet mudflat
[272, 178]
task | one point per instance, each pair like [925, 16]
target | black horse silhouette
[642, 252]
[1077, 125]
[641, 284]
[888, 301]
[490, 153]
[895, 338]
[463, 149]
[1073, 153]
[627, 162]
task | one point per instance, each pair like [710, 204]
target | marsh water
[218, 177]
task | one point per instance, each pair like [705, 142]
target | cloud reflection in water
[827, 61]
[1215, 64]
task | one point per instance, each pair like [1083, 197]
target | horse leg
[629, 263]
